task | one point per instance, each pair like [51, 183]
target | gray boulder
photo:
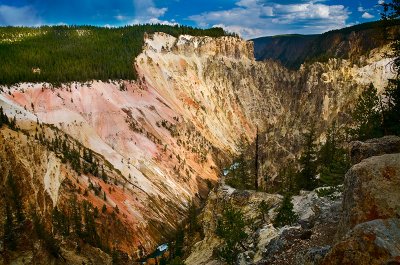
[370, 243]
[312, 256]
[372, 191]
[374, 147]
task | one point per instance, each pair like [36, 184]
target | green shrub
[286, 215]
[329, 191]
[230, 227]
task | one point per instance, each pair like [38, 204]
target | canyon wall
[164, 138]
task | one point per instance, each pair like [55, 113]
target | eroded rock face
[247, 202]
[374, 147]
[370, 243]
[227, 97]
[200, 46]
[369, 229]
[310, 239]
[195, 99]
[372, 191]
[307, 240]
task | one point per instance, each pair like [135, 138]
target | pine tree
[256, 166]
[391, 12]
[50, 242]
[9, 238]
[16, 198]
[176, 261]
[76, 217]
[264, 208]
[308, 161]
[285, 215]
[238, 176]
[231, 228]
[179, 242]
[60, 222]
[104, 175]
[90, 232]
[192, 218]
[367, 116]
[333, 158]
[391, 112]
[3, 117]
[13, 123]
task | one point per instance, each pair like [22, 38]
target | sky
[248, 18]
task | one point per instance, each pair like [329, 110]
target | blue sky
[249, 18]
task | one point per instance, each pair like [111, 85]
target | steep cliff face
[230, 97]
[164, 137]
[152, 172]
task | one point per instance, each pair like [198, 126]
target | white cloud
[157, 12]
[19, 16]
[381, 2]
[360, 9]
[254, 18]
[147, 12]
[367, 15]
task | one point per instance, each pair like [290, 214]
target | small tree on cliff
[2, 117]
[391, 113]
[367, 115]
[16, 198]
[230, 227]
[49, 241]
[285, 215]
[9, 238]
[192, 218]
[333, 158]
[177, 250]
[308, 161]
[60, 222]
[264, 208]
[256, 161]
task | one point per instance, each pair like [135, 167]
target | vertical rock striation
[167, 134]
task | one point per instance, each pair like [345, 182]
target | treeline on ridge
[59, 54]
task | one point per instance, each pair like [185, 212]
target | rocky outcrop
[203, 252]
[372, 191]
[374, 147]
[200, 46]
[312, 256]
[371, 243]
[308, 239]
[369, 229]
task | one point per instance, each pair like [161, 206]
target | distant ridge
[349, 43]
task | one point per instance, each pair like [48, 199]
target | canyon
[164, 139]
